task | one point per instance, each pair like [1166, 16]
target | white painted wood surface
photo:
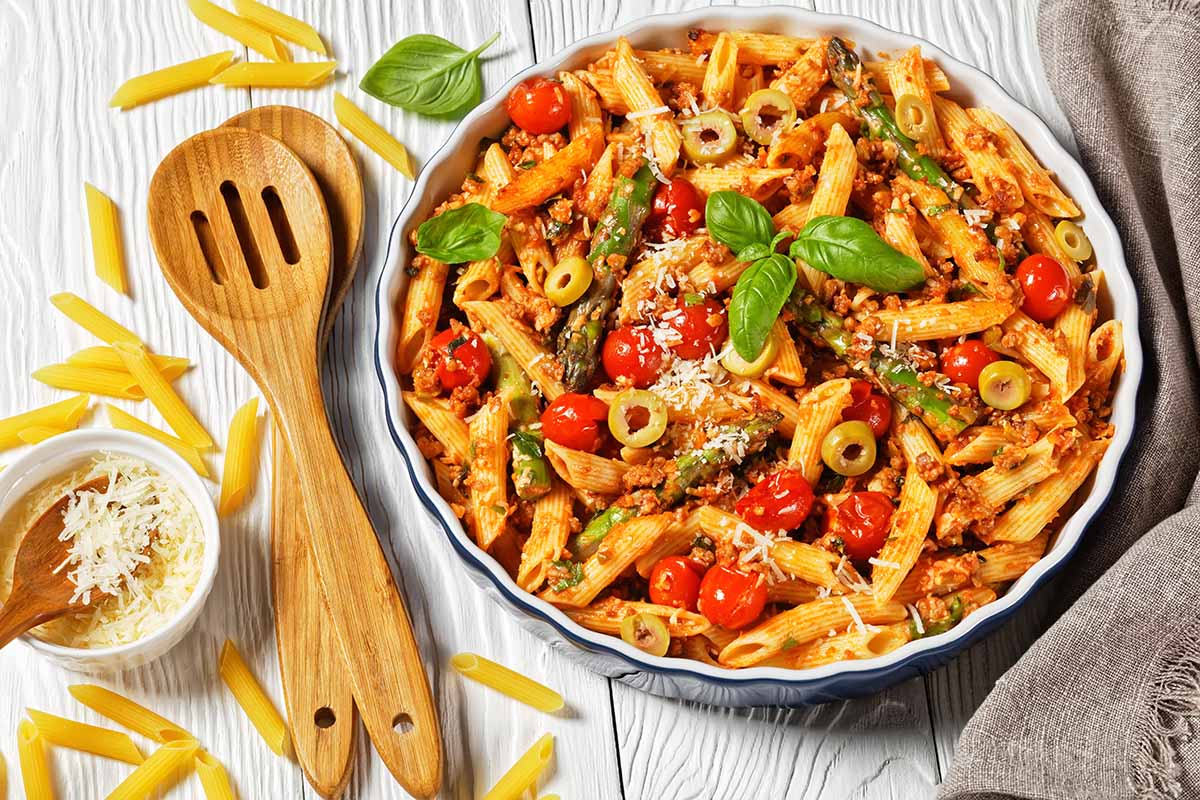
[63, 61]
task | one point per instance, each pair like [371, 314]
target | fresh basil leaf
[753, 252]
[849, 249]
[738, 222]
[428, 75]
[466, 233]
[757, 299]
[779, 237]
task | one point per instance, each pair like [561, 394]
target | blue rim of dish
[932, 653]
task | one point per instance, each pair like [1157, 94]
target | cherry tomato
[779, 502]
[573, 420]
[678, 210]
[675, 581]
[1046, 286]
[702, 326]
[869, 406]
[731, 598]
[539, 105]
[631, 353]
[462, 358]
[963, 362]
[862, 520]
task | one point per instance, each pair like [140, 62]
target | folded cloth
[1103, 705]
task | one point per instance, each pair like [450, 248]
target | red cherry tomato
[1046, 286]
[632, 353]
[462, 358]
[702, 326]
[539, 105]
[870, 407]
[731, 598]
[678, 210]
[862, 520]
[963, 362]
[573, 420]
[779, 502]
[675, 581]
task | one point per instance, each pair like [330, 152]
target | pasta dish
[756, 352]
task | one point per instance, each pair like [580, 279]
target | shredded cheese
[853, 612]
[754, 546]
[879, 562]
[648, 112]
[916, 618]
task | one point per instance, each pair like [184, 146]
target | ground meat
[929, 468]
[653, 473]
[534, 309]
[517, 141]
[427, 443]
[932, 609]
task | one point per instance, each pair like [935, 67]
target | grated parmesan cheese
[648, 112]
[850, 609]
[754, 546]
[879, 562]
[916, 618]
[144, 579]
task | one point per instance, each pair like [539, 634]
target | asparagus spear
[896, 377]
[844, 65]
[579, 340]
[530, 472]
[691, 469]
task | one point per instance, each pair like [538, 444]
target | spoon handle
[365, 608]
[20, 616]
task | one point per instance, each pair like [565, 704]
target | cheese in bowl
[135, 556]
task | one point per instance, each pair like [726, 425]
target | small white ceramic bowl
[62, 453]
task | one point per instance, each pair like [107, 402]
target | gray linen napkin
[1103, 705]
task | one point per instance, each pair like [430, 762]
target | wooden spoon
[242, 235]
[316, 689]
[39, 594]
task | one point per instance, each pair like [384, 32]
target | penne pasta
[488, 478]
[510, 682]
[922, 323]
[606, 616]
[832, 193]
[243, 30]
[158, 390]
[35, 763]
[249, 694]
[214, 780]
[721, 75]
[103, 357]
[107, 251]
[910, 524]
[853, 645]
[422, 305]
[787, 367]
[620, 548]
[586, 117]
[88, 738]
[63, 415]
[156, 771]
[169, 81]
[881, 73]
[1008, 561]
[535, 360]
[819, 412]
[662, 135]
[1038, 188]
[92, 320]
[534, 186]
[586, 471]
[548, 534]
[756, 182]
[245, 74]
[373, 135]
[127, 422]
[90, 380]
[282, 25]
[805, 76]
[909, 84]
[38, 433]
[976, 259]
[1030, 515]
[127, 713]
[523, 774]
[991, 172]
[241, 458]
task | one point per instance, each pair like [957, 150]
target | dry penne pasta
[127, 422]
[525, 772]
[92, 320]
[157, 770]
[510, 682]
[158, 390]
[63, 415]
[373, 135]
[282, 25]
[127, 713]
[169, 80]
[214, 780]
[249, 694]
[88, 738]
[35, 763]
[241, 457]
[305, 75]
[240, 28]
[90, 380]
[106, 238]
[104, 357]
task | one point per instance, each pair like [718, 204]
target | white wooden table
[61, 61]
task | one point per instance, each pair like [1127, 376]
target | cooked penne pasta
[805, 76]
[63, 415]
[881, 73]
[422, 304]
[991, 172]
[834, 183]
[921, 323]
[621, 547]
[533, 186]
[510, 682]
[1038, 187]
[88, 738]
[606, 616]
[1031, 514]
[721, 75]
[243, 30]
[105, 228]
[488, 478]
[157, 770]
[820, 410]
[127, 422]
[158, 390]
[307, 75]
[92, 320]
[282, 25]
[910, 523]
[241, 457]
[853, 645]
[655, 119]
[169, 81]
[908, 82]
[127, 713]
[249, 694]
[525, 773]
[534, 359]
[586, 471]
[756, 182]
[35, 763]
[373, 135]
[552, 518]
[787, 367]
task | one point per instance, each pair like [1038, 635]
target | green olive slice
[708, 137]
[913, 116]
[767, 113]
[647, 633]
[849, 449]
[751, 369]
[568, 280]
[1004, 385]
[1073, 240]
[637, 418]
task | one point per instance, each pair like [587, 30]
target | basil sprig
[745, 227]
[467, 233]
[849, 249]
[428, 75]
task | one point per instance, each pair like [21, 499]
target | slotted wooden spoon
[316, 688]
[39, 594]
[242, 235]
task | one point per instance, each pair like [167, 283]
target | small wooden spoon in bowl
[39, 594]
